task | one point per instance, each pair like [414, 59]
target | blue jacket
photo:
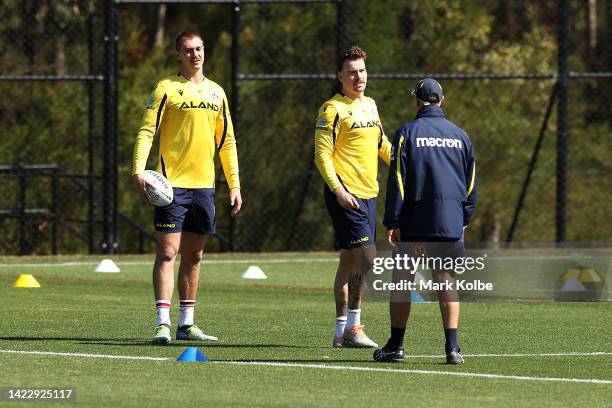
[431, 189]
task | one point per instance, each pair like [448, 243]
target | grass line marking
[111, 356]
[426, 372]
[352, 368]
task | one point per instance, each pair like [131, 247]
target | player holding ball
[190, 114]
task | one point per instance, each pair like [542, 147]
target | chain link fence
[498, 61]
[50, 167]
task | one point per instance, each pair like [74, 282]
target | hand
[235, 200]
[140, 184]
[345, 199]
[393, 236]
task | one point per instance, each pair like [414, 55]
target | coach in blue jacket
[431, 196]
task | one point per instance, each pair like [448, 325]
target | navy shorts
[356, 227]
[192, 209]
[433, 247]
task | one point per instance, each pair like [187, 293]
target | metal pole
[532, 163]
[23, 241]
[562, 122]
[110, 128]
[54, 194]
[91, 110]
[235, 104]
[607, 60]
[342, 40]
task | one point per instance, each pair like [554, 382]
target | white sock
[340, 325]
[186, 312]
[162, 309]
[354, 318]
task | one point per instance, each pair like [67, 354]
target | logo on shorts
[165, 225]
[360, 240]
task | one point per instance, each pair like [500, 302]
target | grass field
[274, 345]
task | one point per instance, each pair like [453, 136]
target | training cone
[418, 278]
[573, 273]
[107, 266]
[254, 272]
[26, 281]
[192, 355]
[416, 297]
[589, 275]
[572, 285]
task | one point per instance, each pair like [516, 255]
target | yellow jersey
[192, 120]
[349, 138]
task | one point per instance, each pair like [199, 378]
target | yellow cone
[573, 273]
[26, 281]
[589, 275]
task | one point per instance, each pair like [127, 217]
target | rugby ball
[159, 191]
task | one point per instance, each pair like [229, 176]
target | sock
[186, 311]
[340, 325]
[397, 337]
[451, 339]
[162, 309]
[354, 318]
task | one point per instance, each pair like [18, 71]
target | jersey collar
[430, 111]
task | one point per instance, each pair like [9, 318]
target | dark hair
[352, 53]
[186, 35]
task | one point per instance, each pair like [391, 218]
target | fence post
[91, 110]
[21, 202]
[53, 215]
[235, 105]
[109, 181]
[562, 122]
[341, 26]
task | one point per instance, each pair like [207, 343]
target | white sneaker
[356, 338]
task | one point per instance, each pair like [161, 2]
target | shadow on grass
[142, 342]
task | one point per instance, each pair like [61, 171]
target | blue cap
[428, 90]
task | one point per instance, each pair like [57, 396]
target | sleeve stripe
[160, 110]
[224, 128]
[334, 127]
[163, 165]
[380, 137]
[472, 182]
[400, 182]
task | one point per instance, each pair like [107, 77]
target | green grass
[287, 319]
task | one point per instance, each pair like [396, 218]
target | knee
[442, 277]
[368, 254]
[367, 261]
[166, 253]
[192, 257]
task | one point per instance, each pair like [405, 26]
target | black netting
[51, 127]
[497, 60]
